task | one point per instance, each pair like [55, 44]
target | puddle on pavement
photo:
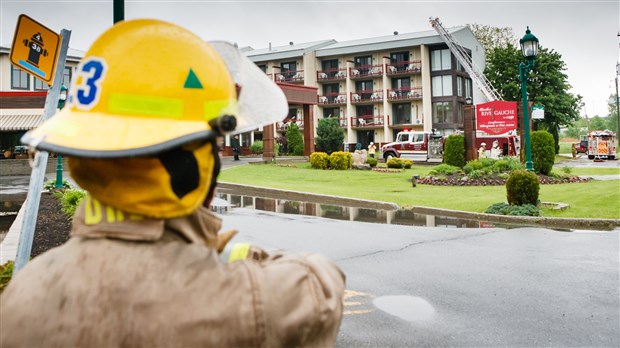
[228, 198]
[409, 308]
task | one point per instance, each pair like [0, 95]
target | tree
[329, 135]
[295, 140]
[493, 37]
[547, 85]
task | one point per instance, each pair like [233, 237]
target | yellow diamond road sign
[35, 48]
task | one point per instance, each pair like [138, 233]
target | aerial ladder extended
[465, 59]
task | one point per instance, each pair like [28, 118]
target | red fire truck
[424, 146]
[602, 145]
[415, 146]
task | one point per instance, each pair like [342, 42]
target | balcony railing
[405, 93]
[332, 99]
[331, 75]
[403, 68]
[365, 71]
[290, 76]
[366, 97]
[282, 126]
[368, 121]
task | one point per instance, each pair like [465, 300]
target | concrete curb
[546, 222]
[8, 247]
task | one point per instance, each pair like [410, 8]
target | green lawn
[597, 199]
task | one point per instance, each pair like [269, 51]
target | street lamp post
[529, 48]
[617, 97]
[62, 99]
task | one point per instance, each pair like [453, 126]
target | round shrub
[319, 160]
[341, 160]
[454, 150]
[395, 163]
[257, 147]
[543, 151]
[371, 161]
[522, 187]
[407, 164]
[467, 169]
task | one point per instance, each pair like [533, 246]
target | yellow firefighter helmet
[145, 106]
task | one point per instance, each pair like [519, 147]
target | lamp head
[62, 98]
[529, 45]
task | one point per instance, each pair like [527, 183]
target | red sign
[496, 117]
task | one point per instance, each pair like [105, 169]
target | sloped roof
[19, 122]
[380, 43]
[283, 52]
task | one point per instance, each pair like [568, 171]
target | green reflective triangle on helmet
[192, 80]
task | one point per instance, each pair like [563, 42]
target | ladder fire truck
[429, 146]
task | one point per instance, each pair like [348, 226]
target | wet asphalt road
[419, 286]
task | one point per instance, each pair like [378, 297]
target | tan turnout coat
[125, 281]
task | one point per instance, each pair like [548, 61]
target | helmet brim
[79, 134]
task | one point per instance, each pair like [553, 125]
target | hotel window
[441, 60]
[362, 64]
[19, 79]
[288, 69]
[330, 67]
[442, 86]
[364, 89]
[442, 112]
[66, 76]
[398, 57]
[401, 86]
[331, 91]
[333, 112]
[263, 67]
[402, 113]
[40, 85]
[467, 88]
[459, 86]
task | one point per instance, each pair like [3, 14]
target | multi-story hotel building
[378, 86]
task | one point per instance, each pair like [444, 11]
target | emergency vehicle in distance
[427, 146]
[602, 144]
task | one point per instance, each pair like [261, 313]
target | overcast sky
[585, 33]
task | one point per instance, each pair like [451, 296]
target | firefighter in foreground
[142, 266]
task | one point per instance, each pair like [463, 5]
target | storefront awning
[10, 123]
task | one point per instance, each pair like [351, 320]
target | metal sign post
[40, 163]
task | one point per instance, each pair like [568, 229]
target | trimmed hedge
[454, 150]
[341, 160]
[543, 151]
[319, 160]
[522, 187]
